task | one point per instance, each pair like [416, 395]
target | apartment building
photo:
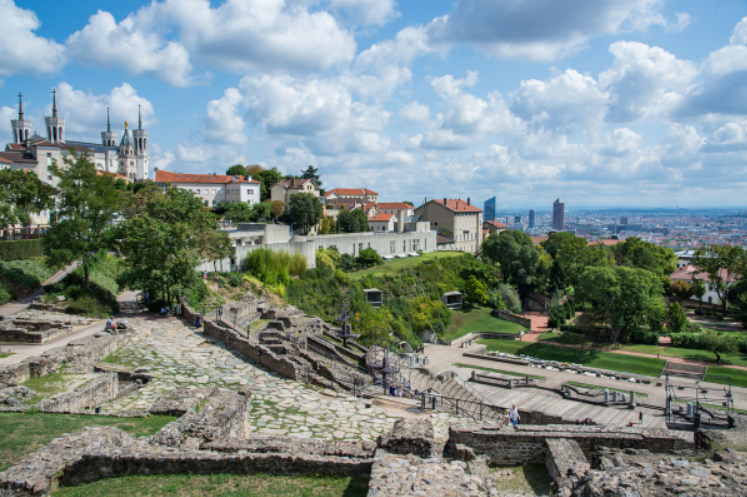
[283, 190]
[456, 219]
[362, 193]
[400, 210]
[213, 189]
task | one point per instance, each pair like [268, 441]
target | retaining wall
[87, 396]
[507, 315]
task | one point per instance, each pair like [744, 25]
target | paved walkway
[19, 305]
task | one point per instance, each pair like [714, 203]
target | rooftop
[169, 177]
[458, 205]
[351, 191]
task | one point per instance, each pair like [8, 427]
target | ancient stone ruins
[271, 390]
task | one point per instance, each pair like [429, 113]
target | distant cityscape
[675, 228]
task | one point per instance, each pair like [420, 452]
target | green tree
[86, 208]
[164, 238]
[718, 344]
[237, 170]
[312, 172]
[22, 193]
[240, 212]
[682, 290]
[254, 170]
[656, 316]
[624, 294]
[676, 318]
[517, 256]
[634, 252]
[699, 290]
[325, 225]
[722, 264]
[305, 210]
[263, 210]
[267, 178]
[353, 221]
[476, 291]
[278, 208]
[368, 257]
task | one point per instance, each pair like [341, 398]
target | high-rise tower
[558, 215]
[21, 127]
[532, 219]
[55, 124]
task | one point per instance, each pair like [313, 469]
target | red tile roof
[609, 242]
[496, 224]
[14, 146]
[169, 177]
[394, 205]
[458, 205]
[351, 191]
[6, 161]
[687, 273]
[286, 183]
[539, 239]
[382, 217]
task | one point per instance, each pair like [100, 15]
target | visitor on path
[147, 298]
[197, 321]
[204, 275]
[392, 390]
[514, 415]
[407, 385]
[110, 325]
[640, 417]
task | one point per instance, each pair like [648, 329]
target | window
[49, 177]
[213, 191]
[392, 248]
[198, 191]
[360, 247]
[404, 245]
[250, 191]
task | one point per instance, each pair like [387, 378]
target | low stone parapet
[91, 394]
[179, 401]
[410, 436]
[291, 445]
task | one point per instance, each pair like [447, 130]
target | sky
[602, 103]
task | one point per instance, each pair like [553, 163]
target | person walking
[640, 417]
[514, 415]
[506, 417]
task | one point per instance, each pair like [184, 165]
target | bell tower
[108, 139]
[55, 124]
[21, 127]
[140, 139]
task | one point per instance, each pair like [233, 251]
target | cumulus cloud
[541, 29]
[640, 78]
[223, 124]
[85, 113]
[365, 12]
[415, 112]
[131, 45]
[21, 51]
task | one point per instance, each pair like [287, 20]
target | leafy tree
[676, 318]
[634, 252]
[354, 221]
[164, 237]
[325, 225]
[368, 257]
[267, 178]
[240, 212]
[699, 290]
[312, 172]
[254, 170]
[476, 291]
[22, 194]
[718, 344]
[682, 290]
[517, 256]
[722, 263]
[263, 210]
[408, 202]
[624, 294]
[237, 170]
[305, 210]
[656, 315]
[86, 208]
[278, 208]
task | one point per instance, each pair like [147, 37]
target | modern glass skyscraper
[558, 215]
[532, 219]
[489, 210]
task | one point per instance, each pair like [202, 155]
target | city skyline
[610, 104]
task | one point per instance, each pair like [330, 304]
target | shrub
[368, 257]
[676, 318]
[13, 250]
[557, 316]
[510, 298]
[234, 279]
[89, 305]
[156, 305]
[643, 337]
[58, 287]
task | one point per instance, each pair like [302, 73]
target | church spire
[139, 119]
[54, 102]
[20, 107]
[108, 123]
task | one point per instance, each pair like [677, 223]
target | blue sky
[601, 102]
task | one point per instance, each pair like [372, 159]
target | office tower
[532, 220]
[489, 210]
[558, 215]
[517, 219]
[624, 221]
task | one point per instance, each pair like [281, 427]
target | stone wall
[178, 402]
[87, 396]
[291, 445]
[508, 446]
[507, 315]
[564, 456]
[734, 438]
[411, 436]
[15, 374]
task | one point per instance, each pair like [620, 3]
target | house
[690, 273]
[364, 193]
[284, 189]
[493, 227]
[456, 219]
[213, 189]
[400, 209]
[383, 223]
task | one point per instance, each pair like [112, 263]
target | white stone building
[213, 189]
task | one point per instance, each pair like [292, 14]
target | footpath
[540, 326]
[19, 305]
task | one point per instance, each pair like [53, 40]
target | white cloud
[415, 112]
[163, 161]
[21, 51]
[640, 78]
[733, 57]
[85, 113]
[366, 12]
[542, 29]
[622, 142]
[562, 103]
[739, 37]
[223, 124]
[6, 115]
[131, 45]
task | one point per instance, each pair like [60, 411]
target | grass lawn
[590, 358]
[115, 358]
[6, 354]
[738, 376]
[695, 354]
[532, 479]
[21, 434]
[711, 406]
[396, 265]
[473, 320]
[222, 485]
[501, 371]
[597, 387]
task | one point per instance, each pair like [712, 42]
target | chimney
[293, 182]
[468, 203]
[444, 200]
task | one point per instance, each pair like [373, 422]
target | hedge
[13, 250]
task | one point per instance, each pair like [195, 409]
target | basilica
[129, 160]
